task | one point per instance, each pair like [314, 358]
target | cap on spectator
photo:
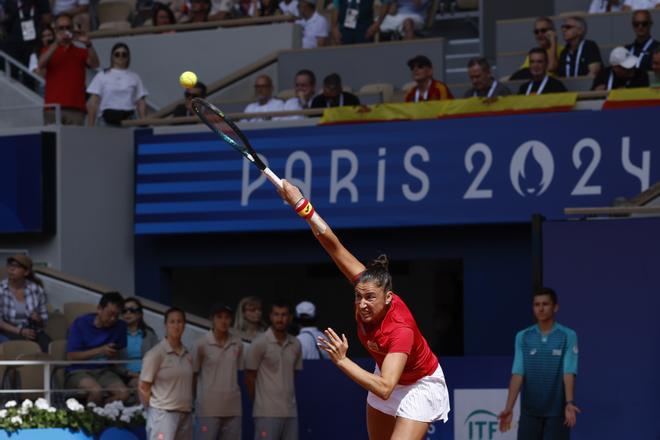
[332, 81]
[419, 60]
[21, 259]
[221, 307]
[306, 308]
[621, 57]
[311, 2]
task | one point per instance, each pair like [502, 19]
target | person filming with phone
[94, 337]
[65, 62]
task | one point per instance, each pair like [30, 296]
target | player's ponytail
[377, 272]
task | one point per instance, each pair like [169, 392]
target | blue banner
[457, 171]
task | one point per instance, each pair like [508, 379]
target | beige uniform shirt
[171, 377]
[275, 395]
[218, 393]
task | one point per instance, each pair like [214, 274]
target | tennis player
[407, 390]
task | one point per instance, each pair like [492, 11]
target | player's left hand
[570, 415]
[335, 346]
[290, 193]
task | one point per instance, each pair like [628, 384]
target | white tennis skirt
[426, 400]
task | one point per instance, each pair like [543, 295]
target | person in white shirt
[305, 85]
[78, 9]
[405, 17]
[636, 5]
[315, 27]
[306, 317]
[600, 6]
[116, 93]
[289, 8]
[263, 89]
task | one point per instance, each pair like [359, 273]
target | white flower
[41, 404]
[52, 409]
[16, 420]
[10, 404]
[91, 405]
[125, 418]
[74, 405]
[3, 413]
[27, 403]
[23, 411]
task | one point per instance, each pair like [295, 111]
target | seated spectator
[23, 312]
[249, 323]
[483, 83]
[47, 36]
[580, 57]
[66, 66]
[644, 44]
[263, 88]
[266, 8]
[98, 336]
[162, 15]
[354, 22]
[140, 338]
[289, 7]
[655, 66]
[221, 9]
[245, 8]
[600, 6]
[185, 109]
[405, 17]
[541, 82]
[306, 318]
[305, 84]
[427, 88]
[333, 94]
[636, 5]
[198, 12]
[546, 38]
[116, 92]
[622, 72]
[315, 26]
[78, 9]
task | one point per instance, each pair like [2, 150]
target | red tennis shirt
[65, 77]
[397, 332]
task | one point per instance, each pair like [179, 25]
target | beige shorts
[103, 376]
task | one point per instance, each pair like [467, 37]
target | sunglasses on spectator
[566, 27]
[121, 54]
[417, 66]
[541, 31]
[262, 86]
[641, 23]
[65, 28]
[132, 310]
[192, 95]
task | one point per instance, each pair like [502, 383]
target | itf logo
[531, 174]
[475, 414]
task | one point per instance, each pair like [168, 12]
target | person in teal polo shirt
[544, 370]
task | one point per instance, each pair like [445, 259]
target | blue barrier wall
[606, 276]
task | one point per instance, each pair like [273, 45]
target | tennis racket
[227, 130]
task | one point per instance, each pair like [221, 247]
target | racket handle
[270, 175]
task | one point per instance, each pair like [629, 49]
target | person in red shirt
[426, 88]
[65, 66]
[407, 390]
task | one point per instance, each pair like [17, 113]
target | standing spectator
[65, 66]
[655, 66]
[249, 322]
[546, 38]
[269, 366]
[166, 383]
[140, 338]
[263, 89]
[636, 5]
[580, 56]
[305, 84]
[309, 333]
[427, 88]
[622, 72]
[353, 20]
[333, 94]
[162, 15]
[245, 8]
[198, 12]
[217, 357]
[266, 8]
[22, 19]
[116, 92]
[47, 36]
[483, 83]
[405, 17]
[23, 304]
[544, 370]
[78, 9]
[600, 6]
[315, 26]
[644, 44]
[97, 336]
[185, 109]
[289, 7]
[541, 81]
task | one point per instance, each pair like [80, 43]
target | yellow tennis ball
[188, 80]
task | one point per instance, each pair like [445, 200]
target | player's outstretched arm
[383, 385]
[345, 261]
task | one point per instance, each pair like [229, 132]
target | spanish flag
[625, 98]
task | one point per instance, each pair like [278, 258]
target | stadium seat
[73, 310]
[13, 349]
[31, 376]
[386, 90]
[114, 14]
[467, 5]
[57, 326]
[286, 94]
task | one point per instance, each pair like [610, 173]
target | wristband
[571, 402]
[305, 210]
[88, 45]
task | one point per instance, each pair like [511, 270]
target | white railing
[28, 115]
[10, 63]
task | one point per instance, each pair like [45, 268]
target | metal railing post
[47, 383]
